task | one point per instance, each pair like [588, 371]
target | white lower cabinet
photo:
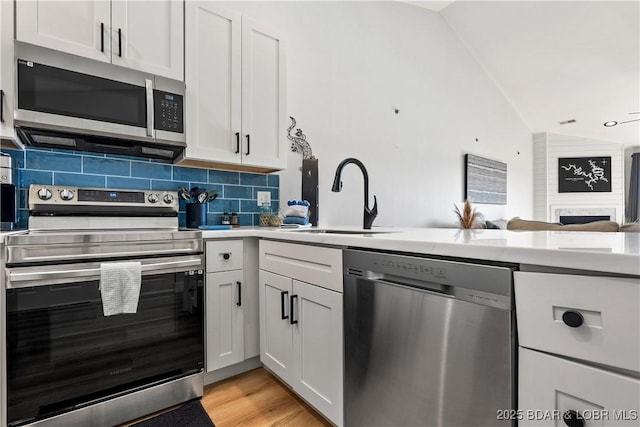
[225, 319]
[579, 355]
[317, 347]
[551, 388]
[301, 332]
[231, 288]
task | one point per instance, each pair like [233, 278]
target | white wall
[548, 148]
[349, 65]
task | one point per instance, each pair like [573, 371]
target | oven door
[64, 354]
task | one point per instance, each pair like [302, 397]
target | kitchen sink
[329, 231]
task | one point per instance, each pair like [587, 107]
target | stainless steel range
[67, 363]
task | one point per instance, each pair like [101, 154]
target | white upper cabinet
[141, 35]
[148, 36]
[263, 95]
[236, 87]
[213, 83]
[7, 71]
[77, 27]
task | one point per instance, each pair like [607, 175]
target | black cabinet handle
[239, 303]
[102, 37]
[248, 145]
[119, 42]
[291, 321]
[226, 255]
[283, 298]
[1, 106]
[572, 419]
[572, 319]
[237, 142]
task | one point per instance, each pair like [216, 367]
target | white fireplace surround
[557, 211]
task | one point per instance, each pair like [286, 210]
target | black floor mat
[190, 414]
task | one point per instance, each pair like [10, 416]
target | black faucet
[369, 214]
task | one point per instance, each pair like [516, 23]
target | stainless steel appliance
[71, 103]
[428, 342]
[7, 193]
[68, 364]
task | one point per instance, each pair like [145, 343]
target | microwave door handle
[149, 88]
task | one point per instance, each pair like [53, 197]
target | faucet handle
[374, 209]
[370, 214]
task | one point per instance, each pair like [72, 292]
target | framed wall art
[485, 180]
[584, 174]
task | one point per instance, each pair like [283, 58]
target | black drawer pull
[226, 255]
[291, 321]
[572, 319]
[102, 37]
[283, 298]
[239, 303]
[1, 105]
[572, 419]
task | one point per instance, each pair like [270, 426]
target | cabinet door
[225, 319]
[212, 78]
[79, 27]
[276, 345]
[7, 70]
[263, 96]
[149, 36]
[549, 386]
[317, 348]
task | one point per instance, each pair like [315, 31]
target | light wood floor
[257, 398]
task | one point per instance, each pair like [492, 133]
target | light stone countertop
[605, 252]
[595, 251]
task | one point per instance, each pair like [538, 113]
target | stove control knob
[152, 198]
[44, 194]
[66, 194]
[168, 198]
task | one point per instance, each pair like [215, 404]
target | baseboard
[232, 371]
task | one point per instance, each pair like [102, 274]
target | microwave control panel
[168, 111]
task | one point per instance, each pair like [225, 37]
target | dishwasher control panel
[489, 285]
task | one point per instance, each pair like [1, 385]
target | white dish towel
[120, 287]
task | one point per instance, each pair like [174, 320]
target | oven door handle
[41, 276]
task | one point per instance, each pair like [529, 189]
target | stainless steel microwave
[109, 110]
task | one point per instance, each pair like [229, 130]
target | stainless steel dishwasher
[428, 342]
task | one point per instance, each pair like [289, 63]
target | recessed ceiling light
[610, 124]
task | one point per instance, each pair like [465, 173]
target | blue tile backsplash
[236, 190]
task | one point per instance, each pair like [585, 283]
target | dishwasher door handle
[431, 288]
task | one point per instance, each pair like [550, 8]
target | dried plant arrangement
[468, 217]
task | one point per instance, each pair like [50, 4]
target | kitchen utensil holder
[196, 214]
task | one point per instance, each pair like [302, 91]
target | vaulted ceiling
[558, 60]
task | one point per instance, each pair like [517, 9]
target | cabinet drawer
[549, 386]
[223, 255]
[603, 311]
[312, 264]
